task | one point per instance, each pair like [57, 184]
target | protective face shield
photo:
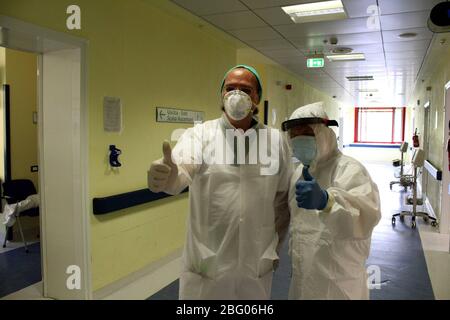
[301, 122]
[301, 134]
[304, 149]
[237, 104]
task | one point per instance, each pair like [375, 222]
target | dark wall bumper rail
[122, 201]
[433, 171]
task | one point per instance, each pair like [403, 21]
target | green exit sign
[315, 63]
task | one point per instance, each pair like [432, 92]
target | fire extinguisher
[416, 143]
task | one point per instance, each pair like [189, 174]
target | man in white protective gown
[238, 172]
[334, 208]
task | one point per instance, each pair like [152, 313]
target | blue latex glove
[309, 194]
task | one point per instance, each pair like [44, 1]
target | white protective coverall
[329, 248]
[237, 215]
[11, 211]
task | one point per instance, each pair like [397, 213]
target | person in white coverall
[334, 207]
[239, 209]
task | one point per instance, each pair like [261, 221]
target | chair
[417, 162]
[15, 191]
[405, 180]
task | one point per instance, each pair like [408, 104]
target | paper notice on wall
[112, 114]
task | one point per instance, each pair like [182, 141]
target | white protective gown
[329, 248]
[237, 216]
[11, 211]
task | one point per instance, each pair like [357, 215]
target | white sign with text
[178, 115]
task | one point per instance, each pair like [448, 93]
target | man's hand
[163, 172]
[309, 194]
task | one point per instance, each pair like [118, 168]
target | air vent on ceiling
[407, 35]
[359, 78]
[342, 50]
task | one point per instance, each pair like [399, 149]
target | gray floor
[19, 269]
[397, 251]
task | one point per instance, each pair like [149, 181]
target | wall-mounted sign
[178, 115]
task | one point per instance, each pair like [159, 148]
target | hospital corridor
[224, 150]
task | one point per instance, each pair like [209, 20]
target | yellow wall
[21, 76]
[2, 145]
[149, 59]
[439, 75]
[148, 53]
[18, 69]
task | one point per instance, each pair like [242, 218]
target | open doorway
[20, 252]
[62, 156]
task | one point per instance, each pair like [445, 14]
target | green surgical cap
[252, 70]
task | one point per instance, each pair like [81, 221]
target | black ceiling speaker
[439, 20]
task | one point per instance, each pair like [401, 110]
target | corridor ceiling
[393, 61]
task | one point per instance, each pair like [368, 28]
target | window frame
[358, 111]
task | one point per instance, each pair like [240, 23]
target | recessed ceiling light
[407, 35]
[317, 11]
[347, 57]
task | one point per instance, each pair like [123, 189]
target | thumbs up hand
[309, 194]
[163, 172]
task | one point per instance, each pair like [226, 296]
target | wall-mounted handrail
[434, 172]
[127, 200]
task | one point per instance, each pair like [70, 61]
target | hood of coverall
[325, 137]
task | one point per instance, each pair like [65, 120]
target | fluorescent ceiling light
[317, 11]
[368, 90]
[359, 78]
[347, 57]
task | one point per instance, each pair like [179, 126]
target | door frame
[19, 35]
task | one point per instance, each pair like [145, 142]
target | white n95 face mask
[304, 149]
[237, 104]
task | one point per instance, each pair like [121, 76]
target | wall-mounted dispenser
[114, 154]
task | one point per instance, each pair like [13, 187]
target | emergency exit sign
[315, 63]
